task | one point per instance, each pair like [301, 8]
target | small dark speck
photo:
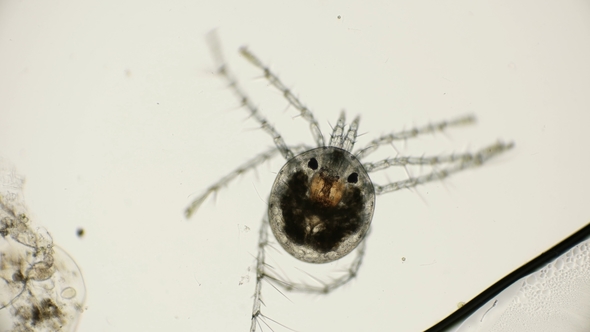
[80, 232]
[339, 17]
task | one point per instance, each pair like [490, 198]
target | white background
[112, 112]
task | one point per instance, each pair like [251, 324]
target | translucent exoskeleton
[322, 201]
[41, 286]
[321, 204]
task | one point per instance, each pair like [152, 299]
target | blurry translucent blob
[41, 287]
[554, 298]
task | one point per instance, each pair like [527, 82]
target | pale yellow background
[111, 111]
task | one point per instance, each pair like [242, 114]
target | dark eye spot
[313, 164]
[353, 178]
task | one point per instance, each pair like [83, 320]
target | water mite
[321, 204]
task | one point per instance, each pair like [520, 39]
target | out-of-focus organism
[41, 287]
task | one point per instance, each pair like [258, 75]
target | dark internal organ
[321, 212]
